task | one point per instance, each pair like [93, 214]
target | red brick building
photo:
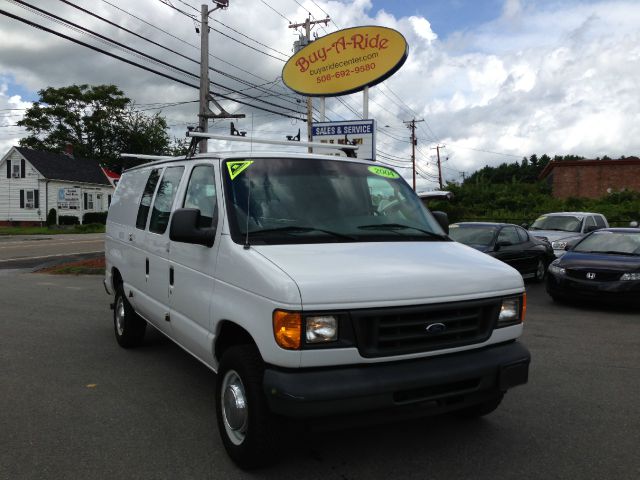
[592, 178]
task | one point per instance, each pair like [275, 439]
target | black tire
[481, 409]
[541, 270]
[556, 298]
[250, 432]
[128, 326]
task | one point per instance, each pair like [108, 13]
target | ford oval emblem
[435, 328]
[591, 276]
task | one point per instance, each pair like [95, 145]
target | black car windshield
[289, 200]
[623, 243]
[564, 223]
[473, 234]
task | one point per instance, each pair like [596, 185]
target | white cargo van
[313, 286]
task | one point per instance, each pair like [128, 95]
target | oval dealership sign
[346, 61]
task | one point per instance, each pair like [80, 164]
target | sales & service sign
[346, 61]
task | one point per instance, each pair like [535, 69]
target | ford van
[313, 286]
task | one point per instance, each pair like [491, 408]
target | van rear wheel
[249, 430]
[129, 327]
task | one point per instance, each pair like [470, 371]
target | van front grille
[403, 330]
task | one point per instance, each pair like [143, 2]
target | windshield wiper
[399, 226]
[300, 229]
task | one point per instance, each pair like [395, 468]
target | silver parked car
[562, 227]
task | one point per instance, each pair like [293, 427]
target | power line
[163, 31]
[168, 4]
[165, 2]
[250, 38]
[138, 52]
[155, 43]
[276, 11]
[130, 62]
[487, 151]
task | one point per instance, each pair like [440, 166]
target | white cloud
[422, 28]
[545, 77]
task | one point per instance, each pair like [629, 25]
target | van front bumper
[440, 384]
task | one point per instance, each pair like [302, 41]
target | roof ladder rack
[145, 157]
[349, 150]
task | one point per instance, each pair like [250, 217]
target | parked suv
[312, 285]
[563, 227]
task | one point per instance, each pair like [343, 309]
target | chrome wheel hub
[234, 407]
[120, 314]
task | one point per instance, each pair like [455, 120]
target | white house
[32, 182]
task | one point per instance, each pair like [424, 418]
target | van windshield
[288, 200]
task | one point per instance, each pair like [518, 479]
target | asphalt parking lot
[76, 406]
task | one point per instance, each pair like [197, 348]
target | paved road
[29, 251]
[73, 405]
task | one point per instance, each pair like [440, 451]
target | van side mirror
[590, 228]
[184, 228]
[442, 219]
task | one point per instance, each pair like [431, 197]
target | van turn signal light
[287, 329]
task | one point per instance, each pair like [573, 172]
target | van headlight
[512, 311]
[321, 328]
[559, 245]
[290, 328]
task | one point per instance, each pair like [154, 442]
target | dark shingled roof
[58, 166]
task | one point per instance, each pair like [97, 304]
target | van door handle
[171, 276]
[146, 267]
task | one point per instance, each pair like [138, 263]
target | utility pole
[414, 141]
[437, 149]
[308, 23]
[205, 112]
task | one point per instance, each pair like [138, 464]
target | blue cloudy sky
[494, 80]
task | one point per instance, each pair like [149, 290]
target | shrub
[89, 228]
[68, 220]
[52, 217]
[95, 217]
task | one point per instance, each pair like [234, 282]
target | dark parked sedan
[604, 265]
[509, 243]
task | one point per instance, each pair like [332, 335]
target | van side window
[145, 201]
[201, 194]
[590, 222]
[600, 221]
[164, 199]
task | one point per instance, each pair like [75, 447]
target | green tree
[97, 120]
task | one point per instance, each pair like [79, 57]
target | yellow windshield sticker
[384, 172]
[237, 167]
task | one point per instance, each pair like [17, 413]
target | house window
[88, 201]
[16, 171]
[29, 199]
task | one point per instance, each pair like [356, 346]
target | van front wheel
[249, 430]
[129, 327]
